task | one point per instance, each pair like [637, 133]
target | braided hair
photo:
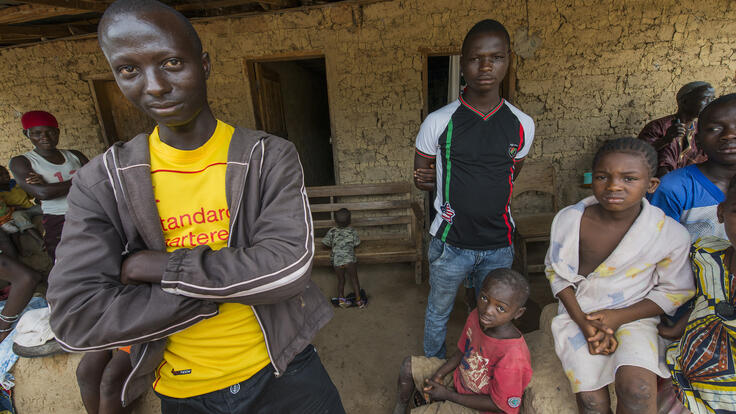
[629, 146]
[487, 26]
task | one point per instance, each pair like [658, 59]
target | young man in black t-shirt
[478, 144]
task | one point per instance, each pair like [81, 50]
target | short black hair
[137, 7]
[721, 100]
[630, 146]
[342, 217]
[512, 279]
[487, 26]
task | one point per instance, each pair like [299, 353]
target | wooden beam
[216, 4]
[102, 76]
[206, 5]
[71, 4]
[8, 32]
[31, 12]
[279, 3]
[296, 9]
[93, 89]
[34, 31]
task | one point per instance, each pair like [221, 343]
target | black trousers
[305, 387]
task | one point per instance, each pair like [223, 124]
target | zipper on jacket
[132, 372]
[265, 339]
[233, 219]
[239, 200]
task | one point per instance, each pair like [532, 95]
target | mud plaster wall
[599, 69]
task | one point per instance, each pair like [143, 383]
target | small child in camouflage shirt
[343, 239]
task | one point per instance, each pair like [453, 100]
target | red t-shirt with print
[500, 368]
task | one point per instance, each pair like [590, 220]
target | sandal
[417, 399]
[360, 304]
[363, 296]
[344, 303]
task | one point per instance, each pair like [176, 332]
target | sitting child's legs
[414, 370]
[10, 227]
[22, 219]
[7, 247]
[89, 376]
[111, 385]
[23, 280]
[100, 376]
[594, 402]
[21, 223]
[13, 234]
[636, 390]
[405, 385]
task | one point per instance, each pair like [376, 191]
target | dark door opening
[290, 101]
[438, 82]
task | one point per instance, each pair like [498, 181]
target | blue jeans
[305, 387]
[449, 266]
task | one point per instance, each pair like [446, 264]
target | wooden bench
[388, 222]
[536, 176]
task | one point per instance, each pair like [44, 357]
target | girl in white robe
[649, 266]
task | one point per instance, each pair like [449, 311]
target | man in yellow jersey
[192, 243]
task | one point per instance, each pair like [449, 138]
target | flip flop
[364, 298]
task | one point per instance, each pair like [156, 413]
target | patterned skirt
[703, 366]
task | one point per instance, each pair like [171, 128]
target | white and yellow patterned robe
[651, 262]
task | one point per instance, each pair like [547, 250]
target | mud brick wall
[585, 70]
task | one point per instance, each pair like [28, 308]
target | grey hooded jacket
[267, 264]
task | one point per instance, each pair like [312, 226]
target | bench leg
[524, 265]
[418, 272]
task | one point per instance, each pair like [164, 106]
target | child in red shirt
[492, 365]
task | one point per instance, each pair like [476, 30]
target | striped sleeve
[432, 128]
[426, 143]
[526, 131]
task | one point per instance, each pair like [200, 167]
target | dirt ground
[363, 348]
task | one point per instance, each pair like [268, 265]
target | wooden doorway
[118, 118]
[270, 101]
[290, 100]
